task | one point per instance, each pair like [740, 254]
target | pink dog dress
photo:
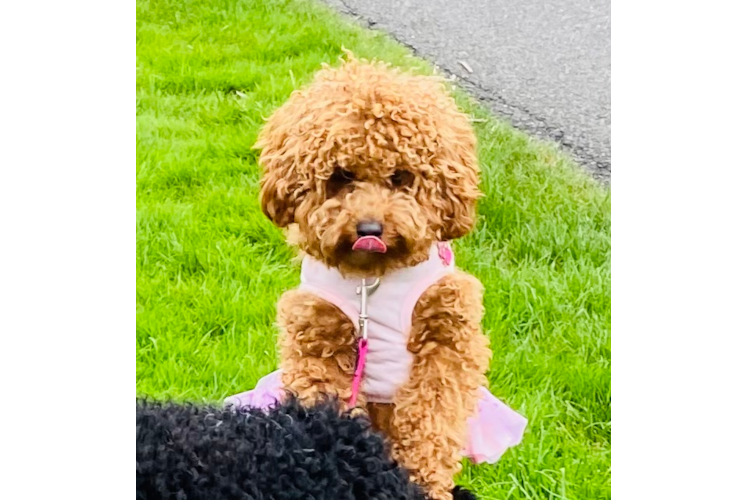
[492, 430]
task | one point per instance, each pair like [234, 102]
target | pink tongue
[370, 244]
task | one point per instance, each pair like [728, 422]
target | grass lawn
[210, 266]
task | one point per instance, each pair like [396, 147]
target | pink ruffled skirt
[494, 428]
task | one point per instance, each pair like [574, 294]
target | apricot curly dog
[374, 171]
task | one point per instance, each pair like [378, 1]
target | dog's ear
[280, 185]
[279, 191]
[459, 179]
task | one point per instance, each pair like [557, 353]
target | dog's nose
[369, 228]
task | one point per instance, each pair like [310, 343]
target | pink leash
[363, 342]
[363, 347]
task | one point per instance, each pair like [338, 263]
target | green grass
[210, 267]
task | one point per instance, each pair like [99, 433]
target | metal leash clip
[363, 342]
[365, 291]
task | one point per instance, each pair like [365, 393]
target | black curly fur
[460, 493]
[190, 452]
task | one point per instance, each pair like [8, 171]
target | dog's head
[373, 165]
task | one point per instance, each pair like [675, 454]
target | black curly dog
[190, 452]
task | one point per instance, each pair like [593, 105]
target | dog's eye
[338, 181]
[401, 178]
[342, 176]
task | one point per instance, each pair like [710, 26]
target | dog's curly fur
[366, 142]
[194, 452]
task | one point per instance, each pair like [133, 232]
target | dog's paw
[358, 411]
[460, 493]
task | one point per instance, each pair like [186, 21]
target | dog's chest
[390, 311]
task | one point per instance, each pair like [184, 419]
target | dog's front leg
[317, 347]
[451, 356]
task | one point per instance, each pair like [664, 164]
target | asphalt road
[543, 64]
